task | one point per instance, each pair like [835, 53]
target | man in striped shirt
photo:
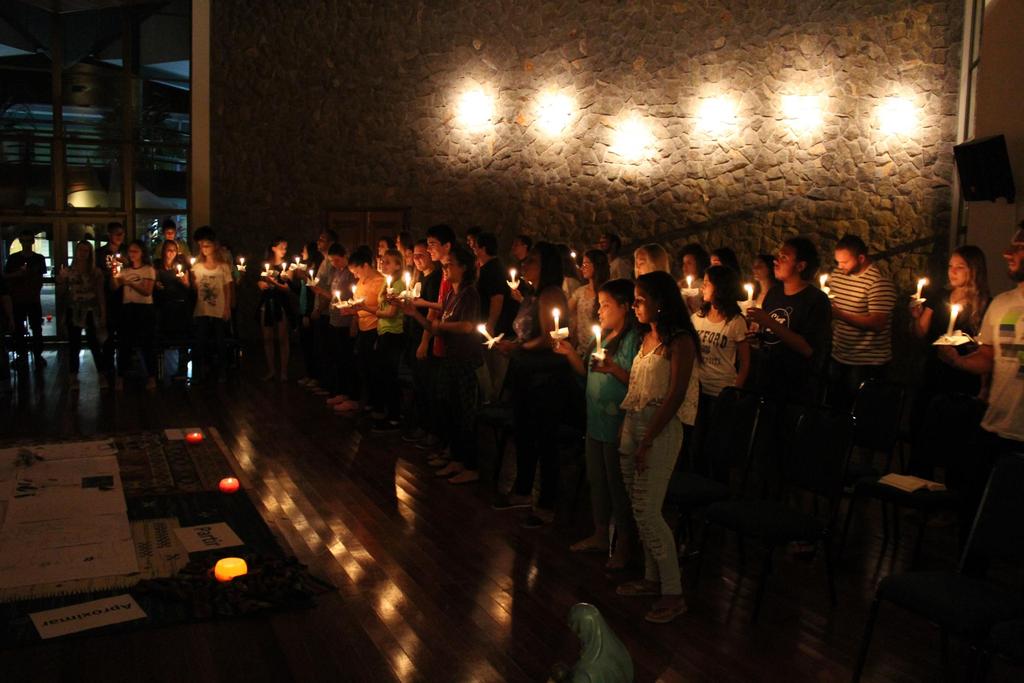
[863, 300]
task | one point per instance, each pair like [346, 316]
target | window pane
[93, 177]
[26, 172]
[161, 178]
[93, 104]
[165, 113]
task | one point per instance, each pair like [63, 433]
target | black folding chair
[949, 428]
[813, 462]
[959, 603]
[730, 441]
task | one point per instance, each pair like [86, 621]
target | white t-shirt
[718, 351]
[1003, 330]
[137, 276]
[211, 289]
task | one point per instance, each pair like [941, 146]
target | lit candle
[689, 282]
[920, 287]
[266, 269]
[387, 282]
[353, 292]
[179, 269]
[556, 314]
[311, 274]
[407, 279]
[953, 313]
[192, 261]
[228, 485]
[513, 283]
[337, 297]
[750, 291]
[572, 254]
[482, 329]
[298, 259]
[229, 568]
[821, 283]
[194, 436]
[241, 261]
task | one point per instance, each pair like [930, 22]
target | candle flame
[822, 280]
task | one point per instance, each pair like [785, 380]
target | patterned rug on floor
[168, 484]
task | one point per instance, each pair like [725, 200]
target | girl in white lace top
[662, 396]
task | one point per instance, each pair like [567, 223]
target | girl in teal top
[607, 381]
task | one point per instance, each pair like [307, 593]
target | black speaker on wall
[984, 168]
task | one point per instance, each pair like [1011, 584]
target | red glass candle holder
[194, 437]
[228, 485]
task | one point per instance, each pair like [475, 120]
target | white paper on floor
[65, 519]
[207, 537]
[86, 615]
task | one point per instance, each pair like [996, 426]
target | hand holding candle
[824, 288]
[387, 284]
[598, 354]
[241, 264]
[917, 300]
[559, 332]
[489, 341]
[513, 283]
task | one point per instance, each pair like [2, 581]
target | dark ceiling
[67, 6]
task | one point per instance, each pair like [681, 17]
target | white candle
[482, 329]
[822, 280]
[953, 313]
[337, 296]
[241, 260]
[387, 282]
[920, 287]
[192, 261]
[750, 291]
[266, 269]
[297, 260]
[556, 314]
[353, 292]
[689, 282]
[179, 269]
[573, 255]
[310, 273]
[597, 336]
[407, 278]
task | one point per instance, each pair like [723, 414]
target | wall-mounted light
[633, 140]
[475, 110]
[802, 113]
[554, 112]
[897, 116]
[716, 116]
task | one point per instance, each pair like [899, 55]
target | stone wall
[321, 103]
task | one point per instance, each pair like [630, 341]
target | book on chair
[910, 484]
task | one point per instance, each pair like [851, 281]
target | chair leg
[700, 553]
[865, 643]
[847, 522]
[766, 570]
[829, 569]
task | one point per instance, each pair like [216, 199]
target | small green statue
[603, 659]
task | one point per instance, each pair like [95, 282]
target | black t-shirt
[782, 371]
[25, 288]
[491, 282]
[430, 288]
[939, 376]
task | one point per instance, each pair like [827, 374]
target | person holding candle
[584, 302]
[428, 275]
[544, 392]
[138, 318]
[694, 260]
[649, 258]
[607, 377]
[724, 349]
[499, 310]
[320, 315]
[172, 297]
[311, 258]
[793, 327]
[521, 246]
[341, 383]
[81, 286]
[24, 272]
[863, 300]
[214, 288]
[661, 397]
[366, 295]
[169, 233]
[275, 310]
[390, 340]
[1000, 351]
[456, 388]
[108, 259]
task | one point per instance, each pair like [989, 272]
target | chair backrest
[998, 530]
[878, 414]
[950, 426]
[730, 433]
[816, 457]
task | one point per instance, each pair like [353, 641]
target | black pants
[545, 395]
[702, 459]
[424, 375]
[363, 361]
[341, 346]
[211, 349]
[75, 344]
[844, 381]
[458, 394]
[33, 312]
[387, 394]
[307, 345]
[114, 308]
[136, 331]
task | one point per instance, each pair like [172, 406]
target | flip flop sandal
[637, 589]
[664, 615]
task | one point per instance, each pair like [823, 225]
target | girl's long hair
[769, 261]
[726, 282]
[90, 263]
[672, 317]
[168, 244]
[551, 274]
[978, 294]
[621, 291]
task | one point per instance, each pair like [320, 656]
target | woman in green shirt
[607, 380]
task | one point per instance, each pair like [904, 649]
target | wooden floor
[433, 585]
